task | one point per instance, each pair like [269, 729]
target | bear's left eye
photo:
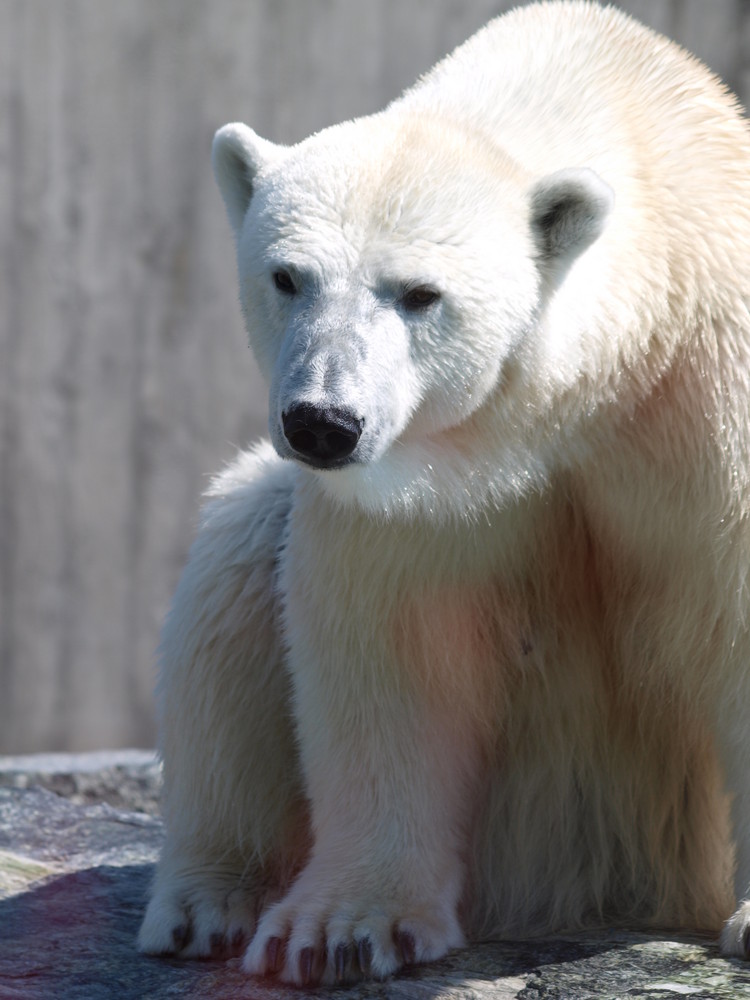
[284, 282]
[419, 298]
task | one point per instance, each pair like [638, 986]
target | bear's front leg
[389, 797]
[233, 805]
[387, 704]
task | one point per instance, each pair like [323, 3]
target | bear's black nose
[323, 436]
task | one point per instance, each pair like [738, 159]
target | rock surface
[79, 835]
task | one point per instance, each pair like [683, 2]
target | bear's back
[565, 83]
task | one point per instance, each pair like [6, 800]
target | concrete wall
[124, 375]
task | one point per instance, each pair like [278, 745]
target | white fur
[490, 676]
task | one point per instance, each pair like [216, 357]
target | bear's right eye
[283, 282]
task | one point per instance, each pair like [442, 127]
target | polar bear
[463, 650]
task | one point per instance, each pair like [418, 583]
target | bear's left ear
[569, 210]
[237, 155]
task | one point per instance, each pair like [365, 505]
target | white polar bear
[465, 651]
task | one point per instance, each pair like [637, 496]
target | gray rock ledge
[79, 835]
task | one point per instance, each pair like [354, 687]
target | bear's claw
[239, 941]
[342, 961]
[182, 935]
[407, 946]
[307, 967]
[274, 955]
[218, 944]
[364, 956]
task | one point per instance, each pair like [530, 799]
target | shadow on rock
[73, 938]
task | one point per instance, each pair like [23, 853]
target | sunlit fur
[492, 676]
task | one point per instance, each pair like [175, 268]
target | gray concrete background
[124, 375]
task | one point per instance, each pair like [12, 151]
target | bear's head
[393, 277]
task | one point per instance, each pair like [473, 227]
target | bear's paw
[735, 938]
[211, 915]
[315, 936]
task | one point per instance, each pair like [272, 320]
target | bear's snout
[322, 436]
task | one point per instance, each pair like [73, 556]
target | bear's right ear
[237, 156]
